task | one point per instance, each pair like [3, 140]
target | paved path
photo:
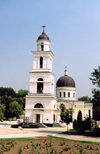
[7, 132]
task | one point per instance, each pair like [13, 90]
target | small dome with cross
[65, 81]
[43, 36]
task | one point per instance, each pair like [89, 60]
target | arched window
[40, 85]
[60, 94]
[68, 94]
[38, 105]
[73, 94]
[41, 62]
[64, 94]
[42, 47]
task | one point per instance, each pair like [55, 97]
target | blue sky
[73, 27]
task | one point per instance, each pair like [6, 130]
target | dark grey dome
[65, 81]
[43, 36]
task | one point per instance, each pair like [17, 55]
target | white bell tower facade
[41, 104]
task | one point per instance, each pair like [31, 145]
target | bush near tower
[12, 104]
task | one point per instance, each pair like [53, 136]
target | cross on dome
[65, 72]
[43, 28]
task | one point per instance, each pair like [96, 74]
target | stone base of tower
[41, 109]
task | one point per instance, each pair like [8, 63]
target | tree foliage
[22, 93]
[95, 78]
[7, 91]
[79, 119]
[96, 104]
[7, 96]
[15, 109]
[66, 114]
[2, 110]
[63, 112]
[86, 99]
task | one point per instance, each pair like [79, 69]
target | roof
[65, 81]
[43, 36]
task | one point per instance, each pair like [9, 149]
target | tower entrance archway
[37, 118]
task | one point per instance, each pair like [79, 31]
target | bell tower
[42, 77]
[41, 103]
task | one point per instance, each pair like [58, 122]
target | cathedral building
[41, 104]
[66, 94]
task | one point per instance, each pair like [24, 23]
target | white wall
[66, 90]
[47, 60]
[46, 44]
[48, 110]
[48, 81]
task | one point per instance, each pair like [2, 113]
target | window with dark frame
[42, 47]
[41, 62]
[64, 94]
[68, 94]
[60, 94]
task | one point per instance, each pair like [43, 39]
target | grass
[49, 137]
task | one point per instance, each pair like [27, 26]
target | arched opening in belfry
[42, 47]
[41, 62]
[38, 105]
[40, 85]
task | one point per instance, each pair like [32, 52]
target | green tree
[87, 123]
[96, 104]
[6, 100]
[7, 91]
[2, 110]
[68, 117]
[15, 109]
[21, 101]
[95, 78]
[86, 99]
[22, 93]
[66, 114]
[79, 119]
[63, 112]
[8, 95]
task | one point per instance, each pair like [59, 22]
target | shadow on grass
[88, 133]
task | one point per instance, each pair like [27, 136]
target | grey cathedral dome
[65, 81]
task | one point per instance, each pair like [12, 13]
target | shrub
[87, 124]
[79, 119]
[20, 150]
[96, 132]
[80, 131]
[75, 124]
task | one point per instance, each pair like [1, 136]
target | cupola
[43, 41]
[65, 87]
[65, 81]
